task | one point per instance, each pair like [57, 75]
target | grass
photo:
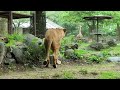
[110, 75]
[67, 71]
[68, 75]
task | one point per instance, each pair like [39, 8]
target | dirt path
[67, 71]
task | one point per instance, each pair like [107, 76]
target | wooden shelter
[10, 15]
[97, 18]
[51, 25]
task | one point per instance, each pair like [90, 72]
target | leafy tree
[72, 19]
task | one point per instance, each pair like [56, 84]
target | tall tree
[40, 23]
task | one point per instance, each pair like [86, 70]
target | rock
[32, 40]
[71, 46]
[69, 54]
[8, 55]
[4, 39]
[2, 51]
[96, 46]
[17, 54]
[75, 46]
[9, 61]
[111, 43]
[113, 59]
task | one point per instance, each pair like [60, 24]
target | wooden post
[97, 31]
[31, 23]
[34, 22]
[10, 21]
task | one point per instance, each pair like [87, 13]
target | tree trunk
[40, 24]
[118, 31]
[32, 31]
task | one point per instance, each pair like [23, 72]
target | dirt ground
[66, 71]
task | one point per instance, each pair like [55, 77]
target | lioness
[52, 41]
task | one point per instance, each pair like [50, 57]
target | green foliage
[112, 51]
[16, 37]
[72, 19]
[65, 42]
[12, 39]
[105, 53]
[68, 40]
[80, 53]
[95, 58]
[34, 55]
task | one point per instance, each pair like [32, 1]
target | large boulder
[17, 54]
[113, 59]
[31, 40]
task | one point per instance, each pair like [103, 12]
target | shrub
[34, 55]
[80, 53]
[95, 58]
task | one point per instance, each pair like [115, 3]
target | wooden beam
[10, 21]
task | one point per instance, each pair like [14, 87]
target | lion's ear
[64, 30]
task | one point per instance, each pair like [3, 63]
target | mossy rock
[111, 43]
[96, 46]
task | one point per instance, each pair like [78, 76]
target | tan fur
[52, 41]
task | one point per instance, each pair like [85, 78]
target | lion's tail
[47, 44]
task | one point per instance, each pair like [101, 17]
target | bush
[34, 55]
[12, 39]
[95, 58]
[80, 53]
